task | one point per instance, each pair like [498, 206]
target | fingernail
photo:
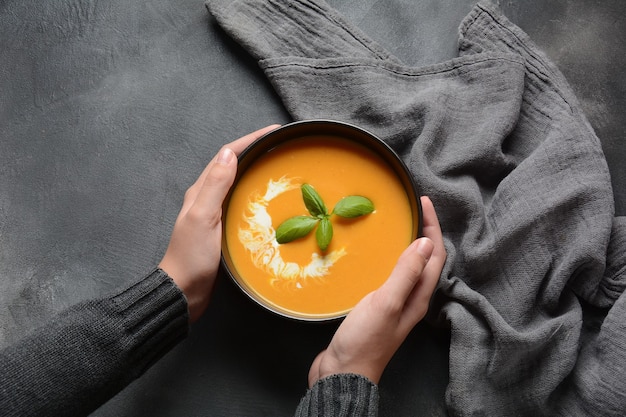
[425, 247]
[225, 156]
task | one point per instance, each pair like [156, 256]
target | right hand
[372, 332]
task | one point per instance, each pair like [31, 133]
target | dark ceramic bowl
[299, 130]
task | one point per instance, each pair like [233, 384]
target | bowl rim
[281, 135]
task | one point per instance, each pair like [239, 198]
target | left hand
[193, 255]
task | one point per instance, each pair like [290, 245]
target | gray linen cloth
[533, 289]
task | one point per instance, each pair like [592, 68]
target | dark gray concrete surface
[110, 109]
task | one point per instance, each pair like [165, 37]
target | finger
[218, 180]
[417, 303]
[432, 230]
[243, 142]
[237, 146]
[431, 227]
[408, 270]
[220, 173]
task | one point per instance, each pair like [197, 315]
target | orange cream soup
[366, 247]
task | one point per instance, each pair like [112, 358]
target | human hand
[372, 332]
[193, 255]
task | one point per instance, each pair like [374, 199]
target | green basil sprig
[300, 226]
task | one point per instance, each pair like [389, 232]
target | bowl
[341, 203]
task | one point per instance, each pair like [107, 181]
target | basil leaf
[295, 228]
[313, 202]
[324, 233]
[353, 206]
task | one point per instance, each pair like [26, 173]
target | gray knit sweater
[90, 352]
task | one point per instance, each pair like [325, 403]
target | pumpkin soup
[299, 276]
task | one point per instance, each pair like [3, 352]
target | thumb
[407, 272]
[218, 180]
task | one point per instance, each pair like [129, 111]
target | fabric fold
[307, 29]
[497, 139]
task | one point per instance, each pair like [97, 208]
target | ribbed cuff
[154, 316]
[91, 351]
[340, 395]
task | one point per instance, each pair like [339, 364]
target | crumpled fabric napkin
[533, 289]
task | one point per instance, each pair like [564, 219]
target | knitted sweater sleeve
[90, 352]
[340, 395]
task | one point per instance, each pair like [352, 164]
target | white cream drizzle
[259, 238]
